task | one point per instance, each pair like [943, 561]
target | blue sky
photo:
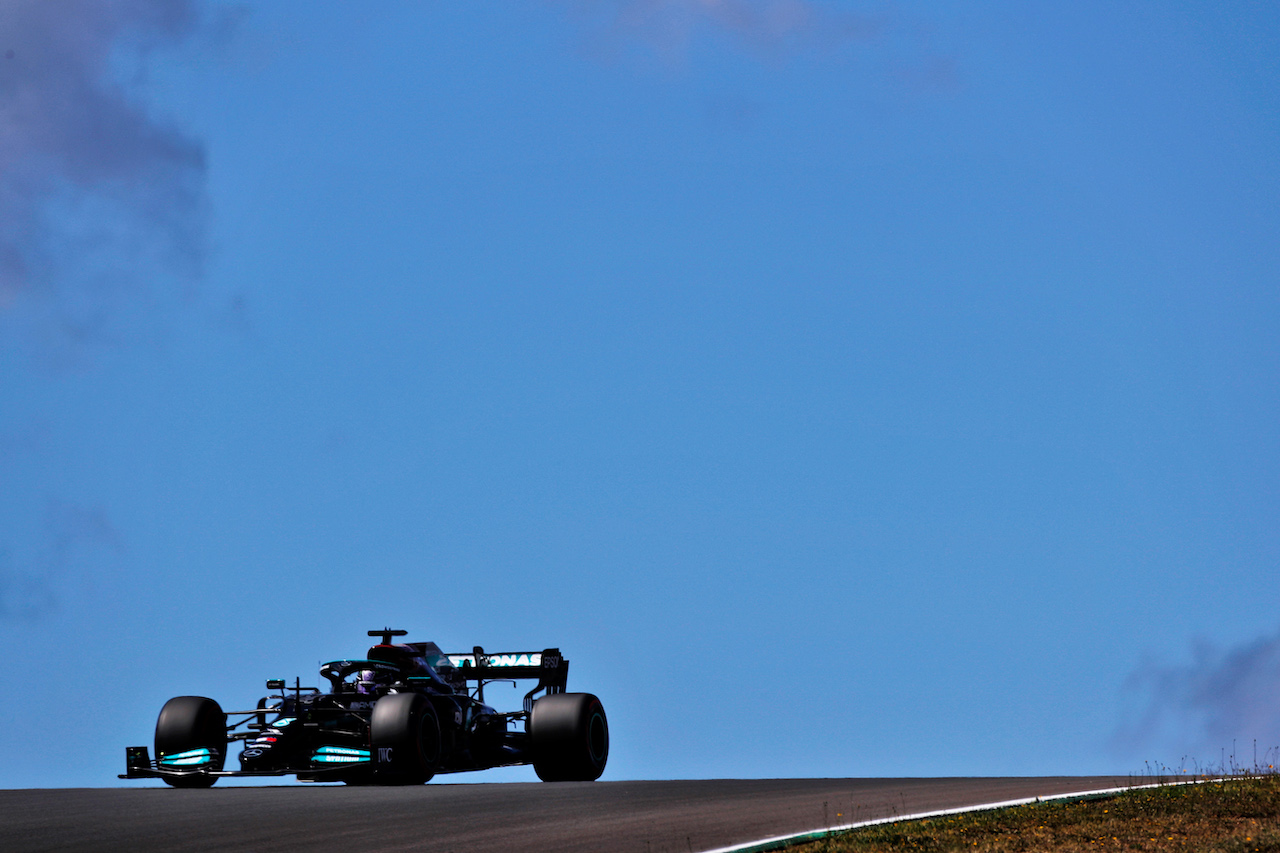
[848, 390]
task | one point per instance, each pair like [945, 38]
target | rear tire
[570, 737]
[189, 723]
[404, 735]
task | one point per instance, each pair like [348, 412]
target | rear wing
[548, 666]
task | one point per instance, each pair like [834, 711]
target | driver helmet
[367, 682]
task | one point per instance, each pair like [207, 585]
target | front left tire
[191, 733]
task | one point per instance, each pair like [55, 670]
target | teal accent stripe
[189, 758]
[342, 750]
[340, 755]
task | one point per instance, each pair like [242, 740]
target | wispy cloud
[70, 533]
[93, 188]
[23, 594]
[767, 28]
[1202, 707]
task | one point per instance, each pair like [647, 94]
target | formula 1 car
[402, 714]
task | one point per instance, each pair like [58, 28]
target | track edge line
[779, 842]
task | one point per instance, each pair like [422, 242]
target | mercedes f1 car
[398, 716]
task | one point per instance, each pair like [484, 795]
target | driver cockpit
[391, 666]
[360, 676]
[416, 662]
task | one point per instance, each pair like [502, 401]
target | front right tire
[404, 735]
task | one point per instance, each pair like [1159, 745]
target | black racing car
[398, 716]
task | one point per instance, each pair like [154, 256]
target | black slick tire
[189, 723]
[569, 735]
[404, 736]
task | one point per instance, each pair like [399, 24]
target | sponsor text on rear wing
[548, 666]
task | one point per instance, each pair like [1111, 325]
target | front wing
[139, 765]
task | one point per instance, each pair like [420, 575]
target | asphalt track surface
[573, 817]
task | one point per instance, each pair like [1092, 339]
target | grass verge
[1233, 816]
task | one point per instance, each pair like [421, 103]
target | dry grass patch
[1234, 816]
